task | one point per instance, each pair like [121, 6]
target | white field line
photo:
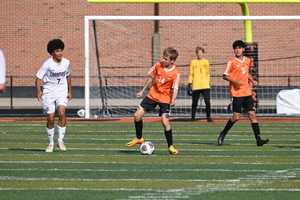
[163, 180]
[197, 148]
[153, 194]
[117, 149]
[174, 137]
[186, 156]
[125, 189]
[137, 163]
[141, 170]
[158, 124]
[174, 163]
[159, 130]
[177, 142]
[101, 137]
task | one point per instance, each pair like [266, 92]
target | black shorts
[148, 104]
[239, 103]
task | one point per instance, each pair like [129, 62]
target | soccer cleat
[61, 146]
[135, 141]
[173, 151]
[221, 137]
[50, 148]
[262, 142]
[210, 120]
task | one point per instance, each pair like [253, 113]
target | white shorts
[51, 103]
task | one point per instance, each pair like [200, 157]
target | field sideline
[98, 165]
[157, 119]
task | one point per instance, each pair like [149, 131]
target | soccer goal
[119, 51]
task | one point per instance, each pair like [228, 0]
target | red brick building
[27, 26]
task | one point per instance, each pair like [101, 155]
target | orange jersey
[239, 70]
[164, 81]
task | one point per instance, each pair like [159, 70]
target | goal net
[119, 51]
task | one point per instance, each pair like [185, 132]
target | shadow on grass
[289, 147]
[203, 143]
[22, 149]
[187, 120]
[129, 151]
[210, 144]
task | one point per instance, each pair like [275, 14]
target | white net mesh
[128, 48]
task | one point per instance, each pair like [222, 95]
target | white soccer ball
[147, 148]
[81, 112]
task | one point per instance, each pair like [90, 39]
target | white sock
[61, 133]
[50, 133]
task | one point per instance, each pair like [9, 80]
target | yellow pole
[247, 23]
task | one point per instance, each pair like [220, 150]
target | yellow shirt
[199, 74]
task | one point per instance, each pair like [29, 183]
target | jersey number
[162, 80]
[58, 80]
[243, 70]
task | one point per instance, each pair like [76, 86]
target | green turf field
[98, 165]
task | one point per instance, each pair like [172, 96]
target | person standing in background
[199, 83]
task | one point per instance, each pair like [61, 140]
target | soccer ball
[81, 112]
[147, 148]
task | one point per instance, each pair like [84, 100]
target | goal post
[126, 52]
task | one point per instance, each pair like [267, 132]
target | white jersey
[54, 76]
[2, 68]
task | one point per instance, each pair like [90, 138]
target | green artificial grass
[98, 165]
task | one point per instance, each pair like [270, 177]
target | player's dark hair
[171, 53]
[55, 44]
[239, 43]
[200, 49]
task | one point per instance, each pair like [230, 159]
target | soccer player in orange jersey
[165, 78]
[237, 73]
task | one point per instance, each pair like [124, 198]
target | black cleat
[210, 120]
[221, 137]
[262, 142]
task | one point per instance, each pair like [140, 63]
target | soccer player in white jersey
[2, 72]
[56, 79]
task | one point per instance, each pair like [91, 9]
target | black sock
[139, 129]
[169, 137]
[228, 125]
[256, 131]
[193, 113]
[207, 110]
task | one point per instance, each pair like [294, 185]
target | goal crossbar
[192, 17]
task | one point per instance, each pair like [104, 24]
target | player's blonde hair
[171, 53]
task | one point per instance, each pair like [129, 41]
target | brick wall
[27, 26]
